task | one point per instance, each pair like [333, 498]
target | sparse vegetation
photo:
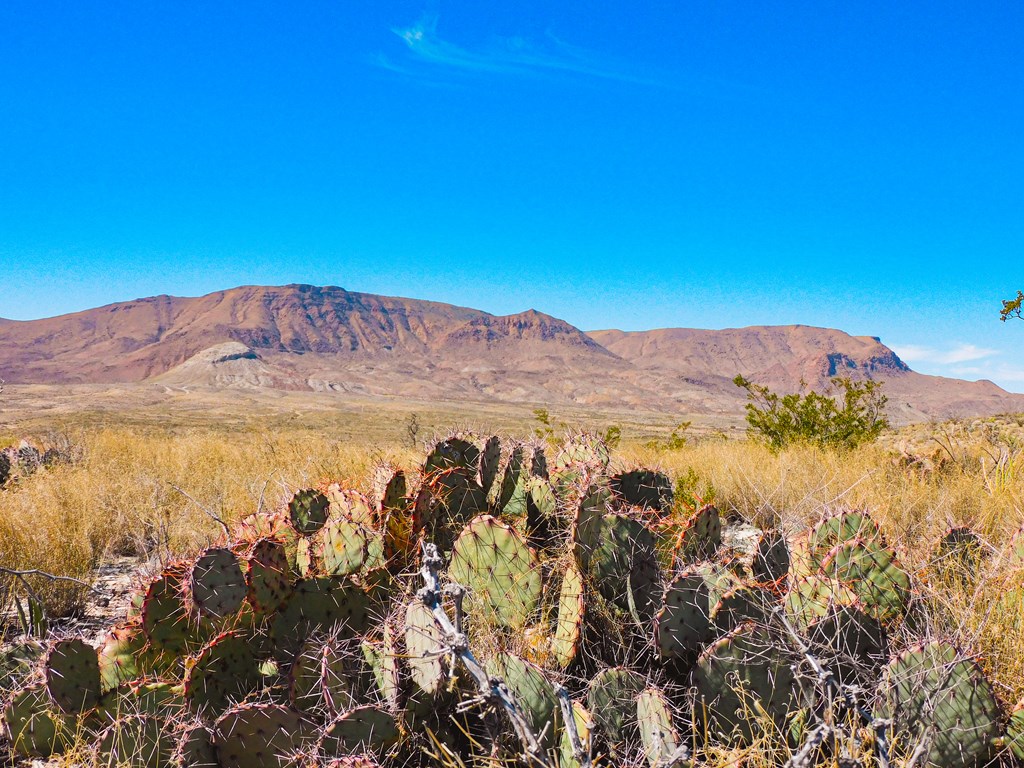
[849, 414]
[1012, 307]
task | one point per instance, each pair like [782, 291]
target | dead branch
[492, 689]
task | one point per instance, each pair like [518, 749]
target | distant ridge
[328, 338]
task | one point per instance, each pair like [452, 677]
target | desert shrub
[848, 414]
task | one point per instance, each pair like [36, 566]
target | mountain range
[304, 337]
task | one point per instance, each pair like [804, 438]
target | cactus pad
[389, 488]
[770, 564]
[586, 526]
[872, 571]
[268, 576]
[217, 583]
[259, 736]
[940, 702]
[625, 566]
[701, 535]
[451, 453]
[584, 449]
[134, 740]
[360, 729]
[837, 529]
[611, 698]
[532, 692]
[500, 570]
[643, 488]
[73, 676]
[738, 678]
[33, 728]
[343, 546]
[490, 463]
[195, 747]
[223, 672]
[658, 735]
[383, 659]
[1015, 731]
[308, 511]
[684, 622]
[423, 640]
[584, 725]
[571, 613]
[319, 604]
[165, 618]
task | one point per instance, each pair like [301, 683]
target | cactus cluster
[615, 632]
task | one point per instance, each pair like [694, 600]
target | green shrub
[846, 415]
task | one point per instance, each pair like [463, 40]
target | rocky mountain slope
[326, 338]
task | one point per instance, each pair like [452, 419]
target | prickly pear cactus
[260, 736]
[500, 570]
[771, 561]
[362, 729]
[224, 671]
[625, 566]
[571, 617]
[942, 705]
[308, 511]
[643, 488]
[268, 578]
[34, 728]
[217, 583]
[533, 692]
[73, 676]
[738, 677]
[660, 739]
[611, 699]
[683, 624]
[423, 639]
[134, 740]
[872, 571]
[701, 535]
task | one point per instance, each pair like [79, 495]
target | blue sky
[853, 165]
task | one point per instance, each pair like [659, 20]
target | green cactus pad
[541, 515]
[454, 452]
[837, 529]
[389, 488]
[643, 488]
[584, 449]
[701, 535]
[194, 748]
[319, 604]
[509, 496]
[490, 463]
[423, 640]
[872, 571]
[532, 692]
[123, 656]
[853, 642]
[33, 727]
[260, 736]
[771, 561]
[73, 676]
[500, 570]
[1015, 731]
[585, 532]
[223, 672]
[625, 566]
[217, 583]
[165, 617]
[742, 603]
[565, 642]
[308, 511]
[584, 726]
[268, 576]
[324, 678]
[611, 699]
[683, 624]
[343, 546]
[136, 740]
[306, 557]
[360, 729]
[660, 739]
[816, 596]
[739, 678]
[940, 702]
[383, 660]
[146, 696]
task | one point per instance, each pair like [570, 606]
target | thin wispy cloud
[503, 56]
[957, 353]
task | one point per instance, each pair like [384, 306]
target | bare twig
[204, 509]
[492, 689]
[579, 751]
